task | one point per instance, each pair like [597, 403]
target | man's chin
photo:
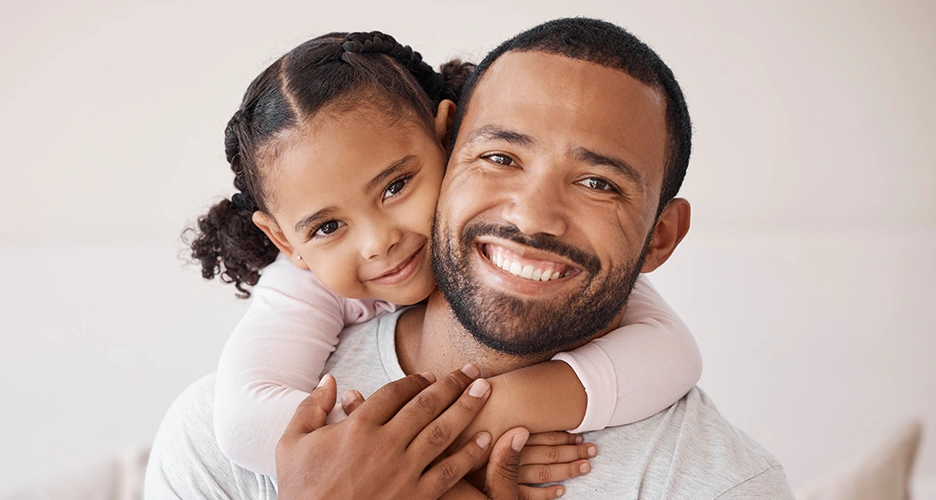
[518, 326]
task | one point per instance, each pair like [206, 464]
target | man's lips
[537, 267]
[403, 270]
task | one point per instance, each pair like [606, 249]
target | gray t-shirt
[688, 451]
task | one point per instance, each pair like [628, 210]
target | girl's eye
[598, 184]
[395, 187]
[499, 159]
[328, 228]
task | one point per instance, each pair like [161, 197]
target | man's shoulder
[686, 451]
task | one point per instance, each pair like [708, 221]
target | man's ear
[670, 229]
[444, 117]
[269, 227]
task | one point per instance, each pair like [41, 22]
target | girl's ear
[269, 227]
[445, 115]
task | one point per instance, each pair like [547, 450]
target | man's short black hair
[611, 46]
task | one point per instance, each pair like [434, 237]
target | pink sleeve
[639, 369]
[274, 358]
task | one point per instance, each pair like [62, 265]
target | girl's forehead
[334, 158]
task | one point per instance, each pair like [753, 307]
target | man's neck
[432, 339]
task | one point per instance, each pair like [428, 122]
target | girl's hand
[383, 449]
[550, 457]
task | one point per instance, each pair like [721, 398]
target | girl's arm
[639, 369]
[274, 358]
[627, 375]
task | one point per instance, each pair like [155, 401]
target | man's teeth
[527, 271]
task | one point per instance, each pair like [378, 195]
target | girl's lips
[403, 271]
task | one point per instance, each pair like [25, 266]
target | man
[569, 147]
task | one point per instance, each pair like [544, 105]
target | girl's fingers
[537, 493]
[556, 454]
[313, 410]
[537, 474]
[387, 401]
[554, 438]
[447, 472]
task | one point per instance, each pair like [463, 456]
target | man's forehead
[611, 107]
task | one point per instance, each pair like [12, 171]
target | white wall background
[808, 275]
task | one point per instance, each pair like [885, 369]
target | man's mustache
[540, 241]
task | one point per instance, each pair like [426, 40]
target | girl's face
[353, 196]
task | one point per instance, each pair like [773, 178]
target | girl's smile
[355, 195]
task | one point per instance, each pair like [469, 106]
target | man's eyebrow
[617, 164]
[309, 220]
[388, 172]
[493, 133]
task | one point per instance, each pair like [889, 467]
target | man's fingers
[350, 400]
[554, 438]
[556, 454]
[313, 410]
[537, 474]
[504, 465]
[416, 418]
[448, 471]
[387, 401]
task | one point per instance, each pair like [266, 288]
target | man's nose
[536, 205]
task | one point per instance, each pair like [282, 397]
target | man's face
[548, 202]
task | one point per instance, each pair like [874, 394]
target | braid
[376, 42]
[344, 69]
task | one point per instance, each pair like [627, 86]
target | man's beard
[521, 327]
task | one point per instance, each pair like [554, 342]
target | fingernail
[584, 468]
[429, 376]
[322, 382]
[347, 397]
[579, 439]
[479, 388]
[560, 492]
[519, 440]
[592, 451]
[471, 370]
[483, 440]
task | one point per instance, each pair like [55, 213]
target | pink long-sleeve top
[275, 356]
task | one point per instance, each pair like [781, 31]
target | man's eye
[395, 187]
[328, 228]
[500, 159]
[598, 184]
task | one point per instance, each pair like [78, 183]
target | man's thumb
[313, 410]
[504, 465]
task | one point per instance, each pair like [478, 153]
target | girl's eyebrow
[312, 219]
[388, 172]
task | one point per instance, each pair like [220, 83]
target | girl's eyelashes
[395, 187]
[327, 229]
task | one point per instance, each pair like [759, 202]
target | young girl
[317, 193]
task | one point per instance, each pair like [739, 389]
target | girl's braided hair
[337, 69]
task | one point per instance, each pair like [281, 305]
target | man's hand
[383, 449]
[503, 470]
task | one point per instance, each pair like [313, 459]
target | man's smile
[534, 269]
